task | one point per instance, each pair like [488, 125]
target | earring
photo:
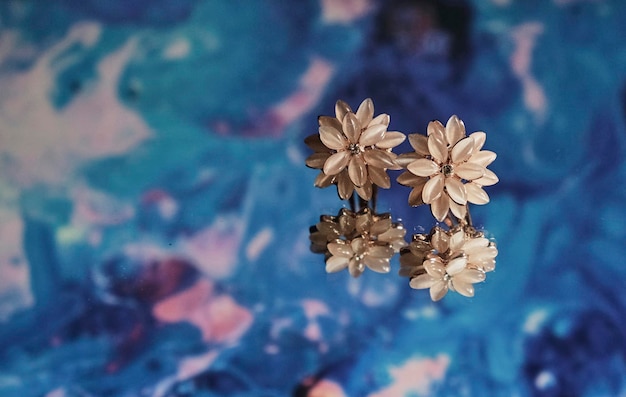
[447, 170]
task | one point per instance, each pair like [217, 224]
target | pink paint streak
[525, 37]
[218, 317]
[415, 376]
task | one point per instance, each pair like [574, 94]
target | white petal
[489, 179]
[435, 127]
[340, 249]
[456, 265]
[484, 157]
[329, 122]
[365, 191]
[345, 187]
[365, 112]
[380, 119]
[439, 240]
[380, 251]
[463, 288]
[476, 194]
[336, 163]
[437, 148]
[434, 267]
[379, 177]
[423, 167]
[355, 268]
[358, 246]
[456, 190]
[438, 290]
[419, 143]
[475, 243]
[440, 207]
[489, 265]
[423, 281]
[470, 276]
[462, 150]
[408, 178]
[332, 138]
[341, 108]
[379, 265]
[351, 127]
[357, 170]
[469, 171]
[372, 135]
[479, 140]
[379, 158]
[433, 189]
[391, 140]
[336, 264]
[457, 241]
[459, 210]
[455, 130]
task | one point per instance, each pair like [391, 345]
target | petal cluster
[448, 169]
[448, 260]
[357, 241]
[353, 150]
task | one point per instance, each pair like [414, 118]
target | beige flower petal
[469, 171]
[456, 190]
[423, 281]
[341, 109]
[381, 225]
[379, 265]
[379, 177]
[423, 167]
[332, 138]
[457, 240]
[489, 179]
[315, 143]
[484, 157]
[419, 143]
[459, 210]
[351, 127]
[317, 160]
[479, 140]
[415, 197]
[336, 163]
[365, 112]
[438, 148]
[488, 265]
[476, 194]
[345, 187]
[356, 268]
[365, 191]
[475, 244]
[357, 170]
[456, 265]
[435, 127]
[336, 263]
[380, 251]
[391, 140]
[462, 150]
[340, 249]
[358, 246]
[434, 267]
[408, 178]
[455, 130]
[438, 290]
[372, 135]
[439, 240]
[380, 119]
[394, 159]
[433, 188]
[322, 180]
[439, 208]
[470, 276]
[379, 158]
[329, 121]
[463, 288]
[404, 159]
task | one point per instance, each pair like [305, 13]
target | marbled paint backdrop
[154, 203]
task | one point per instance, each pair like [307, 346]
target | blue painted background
[155, 206]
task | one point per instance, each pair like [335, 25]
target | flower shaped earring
[447, 170]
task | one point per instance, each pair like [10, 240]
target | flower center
[447, 169]
[354, 148]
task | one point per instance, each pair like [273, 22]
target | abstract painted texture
[155, 206]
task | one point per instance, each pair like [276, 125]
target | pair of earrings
[447, 170]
